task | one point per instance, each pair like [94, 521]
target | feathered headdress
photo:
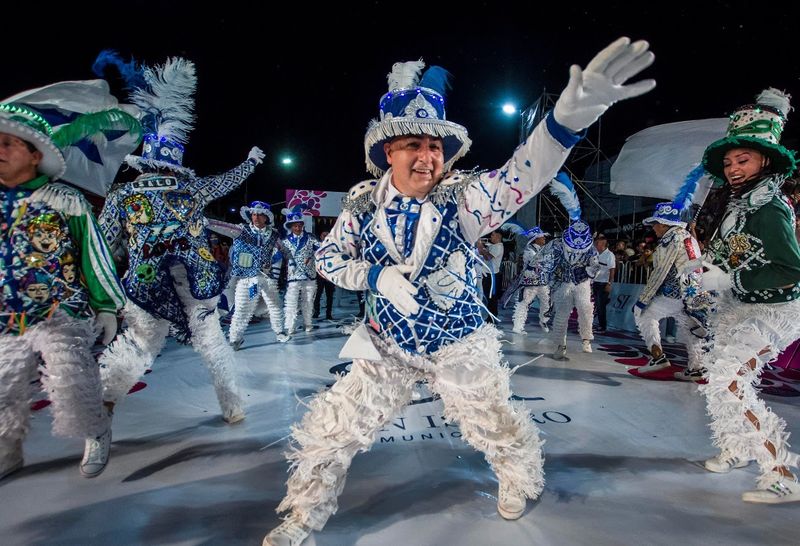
[414, 106]
[672, 213]
[577, 237]
[165, 96]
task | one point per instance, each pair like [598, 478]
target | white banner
[655, 161]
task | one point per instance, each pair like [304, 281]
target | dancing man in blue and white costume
[256, 266]
[173, 281]
[299, 247]
[533, 281]
[408, 237]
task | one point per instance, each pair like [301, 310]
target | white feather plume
[776, 99]
[405, 75]
[170, 97]
[562, 188]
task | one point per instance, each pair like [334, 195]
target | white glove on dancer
[590, 92]
[256, 154]
[715, 278]
[107, 325]
[393, 285]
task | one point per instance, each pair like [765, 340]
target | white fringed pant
[566, 296]
[529, 294]
[741, 332]
[134, 351]
[70, 377]
[248, 292]
[474, 385]
[300, 294]
[661, 307]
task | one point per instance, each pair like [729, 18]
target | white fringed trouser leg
[543, 293]
[563, 299]
[341, 422]
[132, 352]
[474, 385]
[309, 291]
[647, 322]
[71, 377]
[583, 304]
[209, 341]
[345, 420]
[520, 316]
[292, 305]
[740, 333]
[694, 344]
[244, 306]
[269, 291]
[18, 365]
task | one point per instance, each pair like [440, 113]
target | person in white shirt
[601, 286]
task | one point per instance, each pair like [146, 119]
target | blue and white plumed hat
[535, 232]
[257, 207]
[294, 215]
[578, 236]
[670, 213]
[414, 106]
[165, 96]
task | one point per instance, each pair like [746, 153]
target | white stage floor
[622, 461]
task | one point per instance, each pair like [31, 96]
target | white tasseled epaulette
[359, 198]
[62, 198]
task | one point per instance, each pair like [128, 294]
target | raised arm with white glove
[107, 326]
[393, 285]
[715, 278]
[592, 90]
[256, 154]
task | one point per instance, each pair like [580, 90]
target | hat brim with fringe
[246, 213]
[144, 165]
[455, 141]
[782, 160]
[52, 163]
[656, 220]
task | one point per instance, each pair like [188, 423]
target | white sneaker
[544, 327]
[10, 457]
[95, 454]
[561, 353]
[587, 346]
[780, 491]
[724, 463]
[510, 502]
[236, 345]
[518, 331]
[289, 533]
[283, 338]
[690, 375]
[309, 328]
[655, 364]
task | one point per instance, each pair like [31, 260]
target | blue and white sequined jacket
[460, 209]
[255, 251]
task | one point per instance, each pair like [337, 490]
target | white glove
[393, 285]
[256, 155]
[715, 278]
[590, 92]
[107, 325]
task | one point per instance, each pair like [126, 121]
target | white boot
[289, 533]
[510, 501]
[10, 456]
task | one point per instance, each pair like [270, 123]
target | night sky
[324, 71]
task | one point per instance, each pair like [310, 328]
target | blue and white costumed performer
[58, 284]
[408, 237]
[255, 268]
[173, 279]
[570, 262]
[755, 266]
[533, 282]
[674, 286]
[298, 248]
